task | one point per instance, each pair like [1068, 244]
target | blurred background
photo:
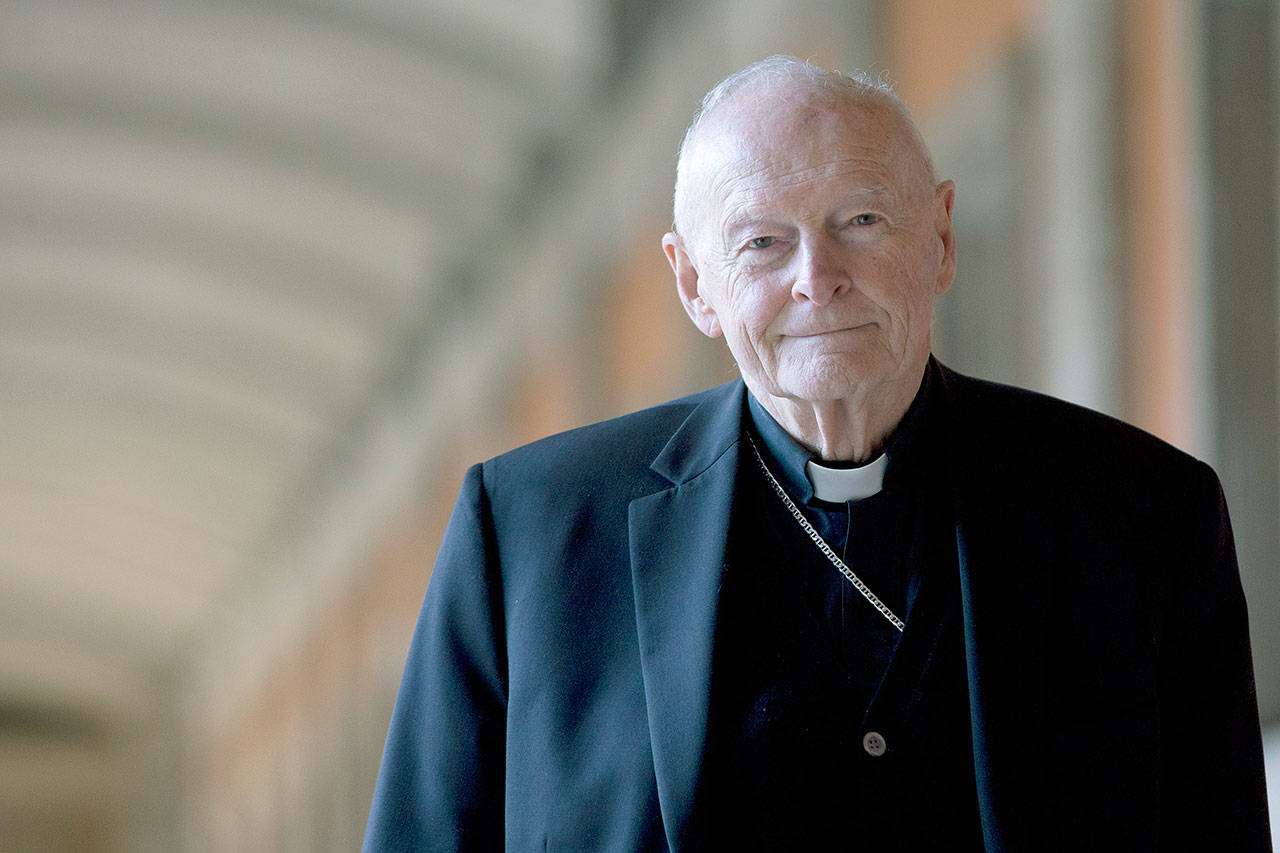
[272, 274]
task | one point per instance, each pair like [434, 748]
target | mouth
[819, 333]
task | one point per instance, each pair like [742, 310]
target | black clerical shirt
[805, 669]
[874, 535]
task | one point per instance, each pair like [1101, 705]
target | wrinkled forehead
[780, 140]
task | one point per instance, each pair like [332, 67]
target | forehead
[789, 147]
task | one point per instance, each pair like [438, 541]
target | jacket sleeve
[441, 782]
[1214, 788]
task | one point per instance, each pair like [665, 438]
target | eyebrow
[752, 223]
[877, 192]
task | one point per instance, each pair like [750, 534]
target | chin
[834, 376]
[825, 379]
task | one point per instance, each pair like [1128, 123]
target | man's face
[815, 243]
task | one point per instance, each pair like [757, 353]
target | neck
[849, 429]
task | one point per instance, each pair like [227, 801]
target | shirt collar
[790, 459]
[841, 485]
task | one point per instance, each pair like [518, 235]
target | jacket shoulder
[1044, 433]
[603, 454]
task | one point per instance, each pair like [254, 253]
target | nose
[821, 274]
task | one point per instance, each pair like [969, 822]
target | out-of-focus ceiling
[219, 223]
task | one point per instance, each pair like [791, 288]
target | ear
[688, 285]
[944, 201]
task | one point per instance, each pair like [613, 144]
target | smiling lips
[820, 332]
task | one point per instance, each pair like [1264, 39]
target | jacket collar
[711, 429]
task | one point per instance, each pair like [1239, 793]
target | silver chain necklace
[822, 544]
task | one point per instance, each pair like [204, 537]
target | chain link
[823, 546]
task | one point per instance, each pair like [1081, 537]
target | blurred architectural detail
[273, 274]
[1241, 226]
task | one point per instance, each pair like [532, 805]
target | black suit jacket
[556, 692]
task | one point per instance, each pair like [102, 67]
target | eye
[865, 219]
[760, 242]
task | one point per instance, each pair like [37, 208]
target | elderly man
[852, 600]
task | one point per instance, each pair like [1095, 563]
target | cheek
[756, 301]
[917, 309]
[907, 288]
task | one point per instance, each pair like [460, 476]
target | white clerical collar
[838, 485]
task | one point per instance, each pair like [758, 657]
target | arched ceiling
[219, 222]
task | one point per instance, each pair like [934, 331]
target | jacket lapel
[1002, 538]
[678, 541]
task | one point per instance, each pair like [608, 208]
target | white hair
[858, 86]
